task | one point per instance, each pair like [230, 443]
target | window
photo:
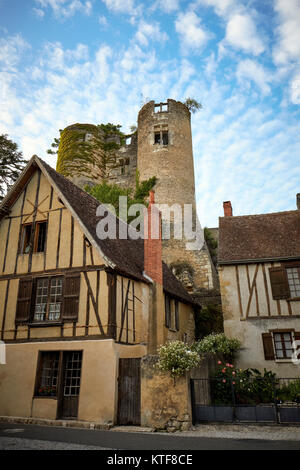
[161, 135]
[48, 299]
[40, 237]
[280, 344]
[161, 108]
[293, 281]
[36, 243]
[283, 345]
[171, 313]
[47, 379]
[58, 370]
[285, 281]
[25, 239]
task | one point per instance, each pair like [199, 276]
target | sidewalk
[223, 431]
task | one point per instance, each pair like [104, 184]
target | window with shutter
[268, 346]
[71, 297]
[279, 283]
[23, 311]
[167, 311]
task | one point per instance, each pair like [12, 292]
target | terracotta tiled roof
[259, 237]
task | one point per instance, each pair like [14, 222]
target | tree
[110, 193]
[212, 244]
[11, 163]
[54, 145]
[192, 105]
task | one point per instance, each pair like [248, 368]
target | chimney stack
[227, 208]
[152, 242]
[298, 201]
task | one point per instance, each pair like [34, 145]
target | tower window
[157, 137]
[165, 138]
[161, 108]
[161, 135]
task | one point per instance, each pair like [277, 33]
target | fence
[274, 400]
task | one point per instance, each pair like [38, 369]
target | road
[17, 436]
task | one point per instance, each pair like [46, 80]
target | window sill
[291, 299]
[44, 324]
[44, 396]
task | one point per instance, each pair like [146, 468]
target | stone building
[259, 269]
[162, 147]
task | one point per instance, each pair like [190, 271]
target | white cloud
[222, 8]
[250, 70]
[120, 6]
[11, 50]
[241, 33]
[193, 36]
[287, 47]
[295, 89]
[39, 12]
[103, 21]
[168, 6]
[150, 31]
[64, 8]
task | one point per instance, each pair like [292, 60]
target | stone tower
[165, 151]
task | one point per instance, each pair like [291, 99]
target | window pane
[49, 373]
[294, 281]
[41, 299]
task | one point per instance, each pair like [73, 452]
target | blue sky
[67, 61]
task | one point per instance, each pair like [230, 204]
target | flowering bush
[177, 358]
[217, 343]
[246, 387]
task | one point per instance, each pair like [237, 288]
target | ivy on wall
[96, 156]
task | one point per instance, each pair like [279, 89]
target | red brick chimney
[152, 242]
[227, 208]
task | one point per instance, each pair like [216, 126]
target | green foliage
[54, 145]
[11, 163]
[208, 320]
[77, 156]
[290, 392]
[110, 193]
[192, 105]
[247, 387]
[218, 343]
[212, 244]
[177, 358]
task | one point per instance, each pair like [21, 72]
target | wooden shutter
[176, 315]
[24, 300]
[167, 311]
[268, 346]
[279, 283]
[71, 297]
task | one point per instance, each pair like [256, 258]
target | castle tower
[165, 151]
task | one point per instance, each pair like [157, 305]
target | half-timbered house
[76, 312]
[259, 268]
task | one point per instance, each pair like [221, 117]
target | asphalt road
[12, 435]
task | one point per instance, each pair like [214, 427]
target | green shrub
[218, 343]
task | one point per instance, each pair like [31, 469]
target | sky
[98, 61]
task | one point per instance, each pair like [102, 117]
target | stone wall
[165, 402]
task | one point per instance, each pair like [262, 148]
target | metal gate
[254, 400]
[129, 392]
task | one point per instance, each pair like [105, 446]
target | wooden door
[71, 374]
[129, 392]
